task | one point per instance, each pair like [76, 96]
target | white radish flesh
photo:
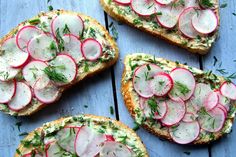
[123, 2]
[66, 23]
[33, 70]
[7, 91]
[205, 21]
[184, 84]
[115, 149]
[175, 112]
[42, 47]
[224, 101]
[185, 23]
[12, 54]
[144, 7]
[53, 150]
[25, 34]
[211, 101]
[161, 84]
[189, 117]
[91, 49]
[164, 2]
[6, 71]
[21, 98]
[223, 108]
[191, 3]
[72, 47]
[142, 77]
[228, 90]
[185, 133]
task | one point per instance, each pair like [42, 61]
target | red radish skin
[228, 90]
[164, 109]
[86, 52]
[143, 7]
[123, 2]
[189, 117]
[110, 138]
[164, 2]
[223, 108]
[7, 70]
[211, 101]
[7, 94]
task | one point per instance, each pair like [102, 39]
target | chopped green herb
[66, 29]
[224, 5]
[18, 124]
[215, 60]
[18, 151]
[232, 76]
[222, 71]
[34, 21]
[187, 153]
[50, 8]
[53, 46]
[85, 106]
[182, 88]
[206, 3]
[234, 14]
[48, 1]
[111, 110]
[136, 127]
[60, 41]
[148, 67]
[23, 134]
[86, 66]
[137, 22]
[54, 75]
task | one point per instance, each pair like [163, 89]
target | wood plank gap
[113, 76]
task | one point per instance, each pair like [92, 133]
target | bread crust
[60, 121]
[202, 50]
[32, 108]
[131, 103]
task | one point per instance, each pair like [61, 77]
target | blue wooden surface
[103, 91]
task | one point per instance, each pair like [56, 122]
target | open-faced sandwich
[178, 102]
[44, 55]
[82, 136]
[190, 24]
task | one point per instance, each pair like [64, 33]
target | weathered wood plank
[96, 93]
[225, 52]
[131, 41]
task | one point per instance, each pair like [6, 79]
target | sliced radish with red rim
[42, 47]
[42, 82]
[164, 2]
[189, 117]
[191, 107]
[7, 91]
[115, 149]
[185, 22]
[223, 108]
[72, 47]
[211, 101]
[228, 90]
[224, 101]
[12, 54]
[185, 133]
[212, 120]
[33, 70]
[143, 7]
[25, 34]
[53, 150]
[175, 112]
[6, 71]
[91, 49]
[123, 2]
[21, 98]
[142, 77]
[184, 84]
[205, 21]
[67, 23]
[161, 84]
[110, 138]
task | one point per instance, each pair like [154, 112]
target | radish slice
[185, 133]
[88, 143]
[72, 47]
[91, 49]
[25, 34]
[213, 120]
[12, 54]
[175, 113]
[7, 91]
[157, 113]
[53, 150]
[123, 2]
[228, 90]
[223, 108]
[142, 77]
[161, 84]
[169, 16]
[42, 47]
[185, 22]
[191, 108]
[205, 21]
[164, 2]
[65, 64]
[189, 117]
[45, 91]
[115, 149]
[191, 3]
[67, 23]
[211, 101]
[184, 84]
[6, 71]
[66, 137]
[42, 82]
[224, 101]
[21, 98]
[143, 7]
[200, 94]
[33, 71]
[110, 138]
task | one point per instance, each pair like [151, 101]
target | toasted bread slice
[50, 132]
[133, 101]
[84, 67]
[200, 44]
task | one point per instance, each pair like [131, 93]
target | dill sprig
[182, 88]
[54, 75]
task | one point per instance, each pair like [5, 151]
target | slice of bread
[124, 13]
[119, 132]
[85, 69]
[132, 98]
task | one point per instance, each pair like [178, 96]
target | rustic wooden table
[97, 94]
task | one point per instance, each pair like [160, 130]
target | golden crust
[129, 95]
[29, 110]
[120, 125]
[163, 35]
